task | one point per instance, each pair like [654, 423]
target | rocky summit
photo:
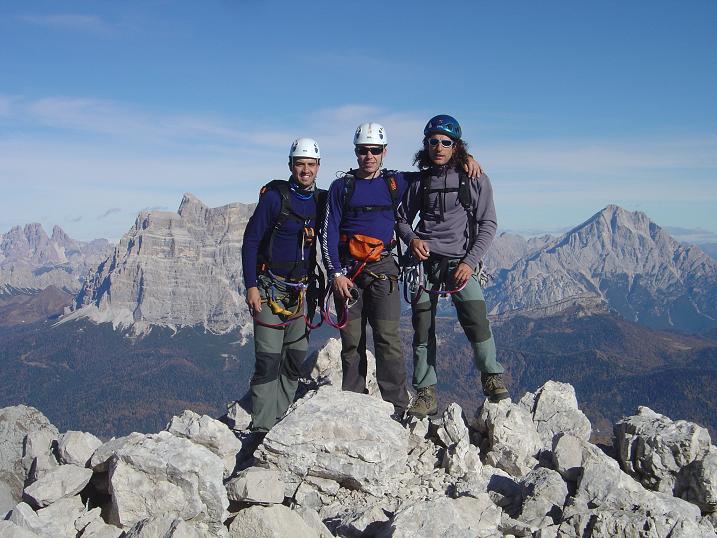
[173, 269]
[338, 464]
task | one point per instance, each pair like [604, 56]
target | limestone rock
[237, 417]
[465, 517]
[15, 423]
[511, 439]
[256, 485]
[100, 529]
[608, 524]
[343, 436]
[554, 409]
[8, 529]
[603, 486]
[164, 475]
[163, 527]
[654, 449]
[327, 368]
[544, 493]
[275, 521]
[698, 482]
[101, 456]
[65, 481]
[26, 518]
[208, 432]
[58, 519]
[76, 448]
[39, 444]
[313, 521]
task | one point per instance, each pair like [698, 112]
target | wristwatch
[337, 274]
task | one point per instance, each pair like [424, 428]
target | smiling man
[278, 257]
[356, 247]
[457, 225]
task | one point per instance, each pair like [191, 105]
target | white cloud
[100, 153]
[73, 22]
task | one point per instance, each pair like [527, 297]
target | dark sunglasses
[363, 150]
[445, 142]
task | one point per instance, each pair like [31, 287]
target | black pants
[379, 304]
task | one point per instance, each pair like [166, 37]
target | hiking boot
[425, 403]
[494, 387]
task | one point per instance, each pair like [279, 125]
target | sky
[108, 108]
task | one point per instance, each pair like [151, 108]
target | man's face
[304, 170]
[369, 158]
[437, 150]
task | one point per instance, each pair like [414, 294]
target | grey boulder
[164, 475]
[654, 449]
[343, 436]
[65, 481]
[163, 527]
[256, 485]
[510, 439]
[76, 448]
[465, 517]
[15, 423]
[554, 409]
[210, 433]
[275, 521]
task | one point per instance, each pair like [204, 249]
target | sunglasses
[363, 150]
[445, 142]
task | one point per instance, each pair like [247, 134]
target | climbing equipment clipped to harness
[414, 281]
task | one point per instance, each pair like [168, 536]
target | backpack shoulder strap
[282, 187]
[349, 186]
[464, 191]
[389, 176]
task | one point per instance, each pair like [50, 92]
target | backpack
[287, 212]
[464, 197]
[389, 176]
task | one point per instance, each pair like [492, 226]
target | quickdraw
[414, 283]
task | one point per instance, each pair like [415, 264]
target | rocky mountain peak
[173, 269]
[616, 259]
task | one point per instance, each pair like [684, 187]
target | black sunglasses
[363, 150]
[445, 142]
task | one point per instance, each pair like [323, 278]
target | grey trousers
[379, 304]
[472, 315]
[279, 354]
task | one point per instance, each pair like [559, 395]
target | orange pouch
[365, 248]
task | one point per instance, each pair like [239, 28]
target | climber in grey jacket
[457, 225]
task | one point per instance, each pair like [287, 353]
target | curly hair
[457, 162]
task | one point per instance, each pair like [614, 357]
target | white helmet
[304, 147]
[370, 134]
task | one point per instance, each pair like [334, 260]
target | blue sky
[107, 108]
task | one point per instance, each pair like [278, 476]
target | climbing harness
[414, 281]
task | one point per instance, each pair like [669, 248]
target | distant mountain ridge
[619, 260]
[32, 260]
[184, 269]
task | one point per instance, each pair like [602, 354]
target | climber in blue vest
[279, 260]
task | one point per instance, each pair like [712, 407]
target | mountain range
[589, 307]
[184, 269]
[30, 260]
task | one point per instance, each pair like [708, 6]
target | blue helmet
[443, 124]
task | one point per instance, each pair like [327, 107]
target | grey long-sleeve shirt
[444, 223]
